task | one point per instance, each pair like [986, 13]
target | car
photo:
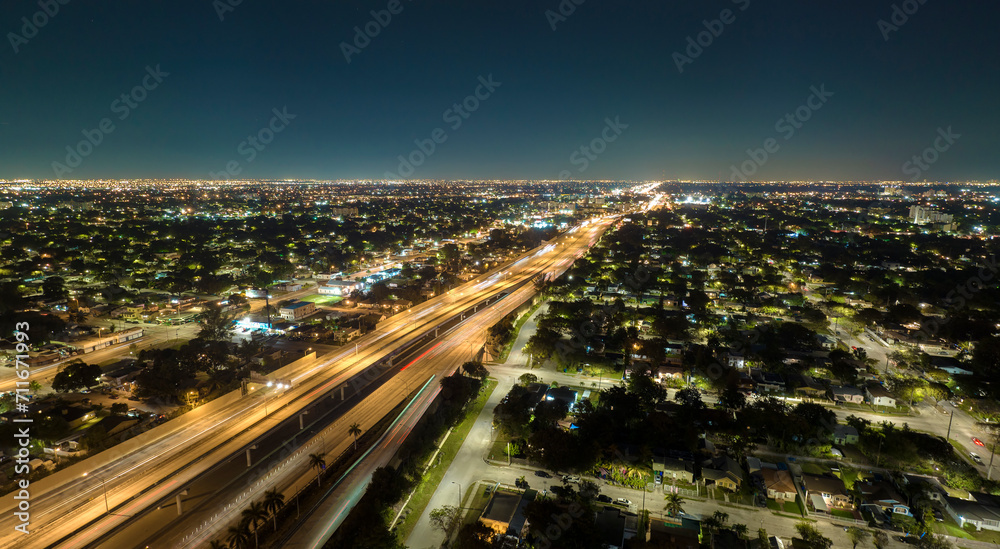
[569, 478]
[542, 474]
[977, 442]
[938, 515]
[623, 501]
[603, 499]
[975, 457]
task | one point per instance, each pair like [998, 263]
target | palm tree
[238, 536]
[273, 502]
[674, 506]
[355, 431]
[740, 530]
[253, 514]
[316, 462]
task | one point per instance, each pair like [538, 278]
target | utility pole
[950, 419]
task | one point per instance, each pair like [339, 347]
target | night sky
[558, 90]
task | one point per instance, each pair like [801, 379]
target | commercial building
[297, 310]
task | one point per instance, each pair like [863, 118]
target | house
[768, 382]
[809, 387]
[982, 511]
[852, 395]
[879, 396]
[504, 513]
[724, 472]
[676, 469]
[564, 395]
[779, 484]
[882, 497]
[297, 310]
[845, 434]
[75, 416]
[826, 492]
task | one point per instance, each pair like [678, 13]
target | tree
[273, 502]
[216, 325]
[76, 375]
[475, 536]
[880, 539]
[316, 462]
[857, 536]
[740, 530]
[527, 379]
[475, 369]
[34, 386]
[674, 506]
[254, 514]
[238, 536]
[762, 538]
[811, 535]
[355, 431]
[119, 409]
[444, 518]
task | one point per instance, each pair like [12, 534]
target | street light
[107, 506]
[459, 493]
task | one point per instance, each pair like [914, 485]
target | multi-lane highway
[70, 509]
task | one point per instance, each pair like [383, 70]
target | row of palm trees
[251, 520]
[257, 513]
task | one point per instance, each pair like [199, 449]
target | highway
[68, 508]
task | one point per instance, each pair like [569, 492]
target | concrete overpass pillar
[184, 493]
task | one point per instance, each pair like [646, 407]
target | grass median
[432, 478]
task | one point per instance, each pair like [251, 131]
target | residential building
[845, 434]
[724, 472]
[879, 395]
[779, 484]
[880, 496]
[852, 395]
[826, 492]
[672, 468]
[982, 511]
[504, 513]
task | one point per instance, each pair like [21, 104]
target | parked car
[975, 457]
[603, 499]
[542, 474]
[624, 501]
[569, 478]
[977, 442]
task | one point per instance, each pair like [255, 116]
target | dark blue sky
[608, 59]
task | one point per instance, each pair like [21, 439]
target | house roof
[502, 506]
[878, 391]
[879, 491]
[824, 484]
[779, 481]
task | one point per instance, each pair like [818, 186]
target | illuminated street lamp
[107, 506]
